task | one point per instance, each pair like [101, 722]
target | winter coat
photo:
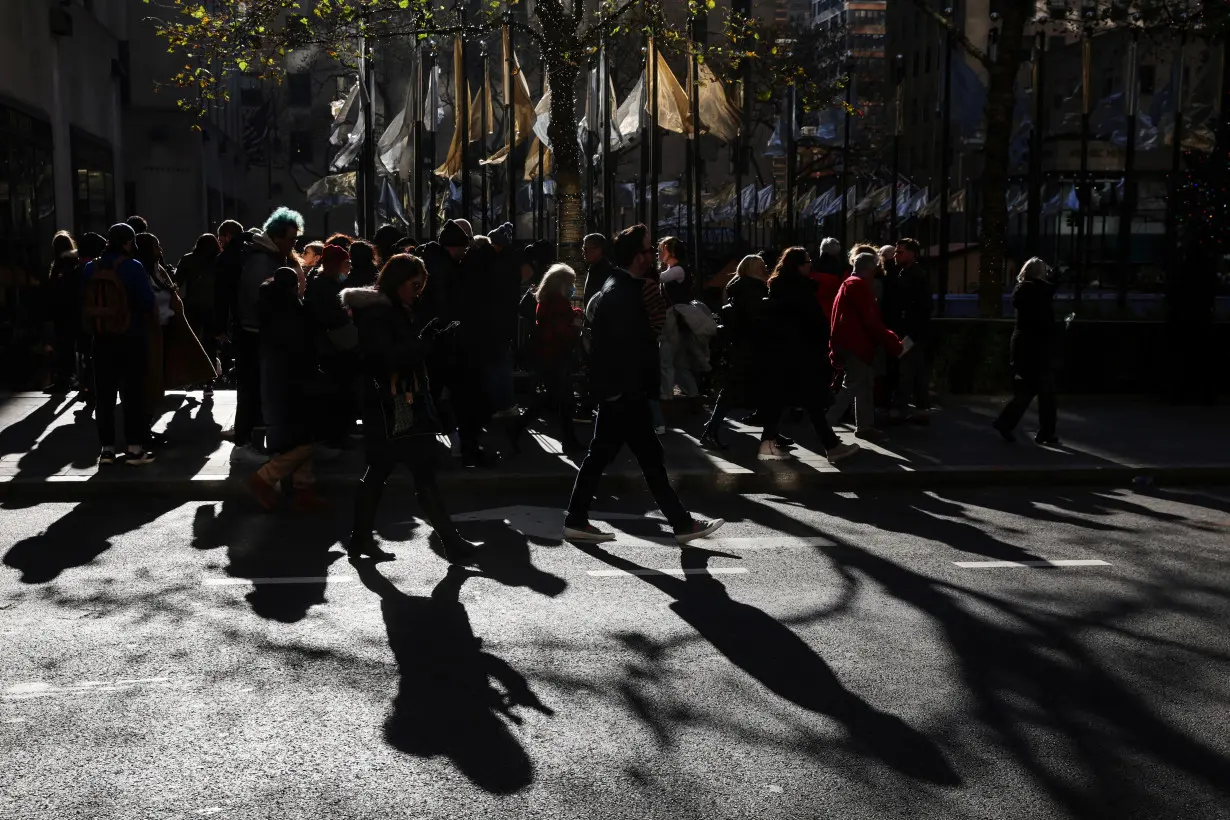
[828, 273]
[857, 327]
[596, 277]
[913, 302]
[261, 258]
[64, 286]
[437, 300]
[555, 330]
[742, 324]
[490, 289]
[389, 348]
[196, 276]
[227, 270]
[290, 391]
[1033, 338]
[322, 301]
[792, 349]
[623, 357]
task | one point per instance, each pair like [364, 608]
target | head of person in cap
[454, 239]
[335, 263]
[502, 237]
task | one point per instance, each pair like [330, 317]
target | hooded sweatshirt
[136, 286]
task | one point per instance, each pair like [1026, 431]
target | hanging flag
[626, 129]
[388, 207]
[673, 105]
[461, 133]
[874, 199]
[341, 112]
[969, 97]
[774, 149]
[433, 106]
[542, 116]
[332, 191]
[718, 117]
[764, 199]
[531, 161]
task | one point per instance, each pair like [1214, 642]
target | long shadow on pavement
[445, 703]
[783, 663]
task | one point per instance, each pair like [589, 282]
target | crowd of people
[399, 343]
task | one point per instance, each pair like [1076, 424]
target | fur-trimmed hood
[360, 298]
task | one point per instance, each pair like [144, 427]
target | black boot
[456, 549]
[362, 541]
[712, 439]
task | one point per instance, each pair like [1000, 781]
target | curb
[788, 479]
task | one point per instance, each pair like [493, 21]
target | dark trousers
[1024, 388]
[418, 454]
[248, 415]
[119, 370]
[65, 355]
[721, 409]
[341, 405]
[773, 417]
[626, 421]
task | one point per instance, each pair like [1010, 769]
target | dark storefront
[93, 184]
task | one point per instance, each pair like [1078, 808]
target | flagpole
[945, 157]
[433, 95]
[791, 160]
[741, 139]
[1033, 220]
[699, 37]
[590, 148]
[463, 120]
[482, 135]
[540, 205]
[845, 158]
[689, 152]
[655, 166]
[1084, 199]
[898, 121]
[510, 122]
[416, 135]
[1176, 150]
[642, 199]
[608, 178]
[1128, 205]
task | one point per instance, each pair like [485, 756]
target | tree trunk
[562, 67]
[1001, 102]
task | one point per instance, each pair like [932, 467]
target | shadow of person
[21, 436]
[79, 536]
[784, 664]
[505, 557]
[287, 557]
[445, 703]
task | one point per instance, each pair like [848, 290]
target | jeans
[1024, 388]
[913, 379]
[673, 364]
[119, 369]
[721, 409]
[628, 421]
[556, 378]
[857, 389]
[418, 454]
[248, 415]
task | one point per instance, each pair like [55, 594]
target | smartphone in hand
[907, 344]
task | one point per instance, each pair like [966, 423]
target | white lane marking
[925, 457]
[233, 582]
[1004, 564]
[537, 522]
[718, 543]
[615, 573]
[38, 689]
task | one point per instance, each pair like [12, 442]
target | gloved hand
[433, 331]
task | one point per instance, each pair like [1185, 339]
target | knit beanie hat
[502, 237]
[333, 256]
[453, 236]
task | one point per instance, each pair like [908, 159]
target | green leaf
[243, 65]
[403, 4]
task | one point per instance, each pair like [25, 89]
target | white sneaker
[769, 451]
[249, 454]
[588, 534]
[842, 451]
[700, 529]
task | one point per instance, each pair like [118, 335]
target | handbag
[408, 413]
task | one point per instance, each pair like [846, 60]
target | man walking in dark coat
[912, 307]
[623, 370]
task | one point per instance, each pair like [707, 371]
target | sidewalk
[48, 452]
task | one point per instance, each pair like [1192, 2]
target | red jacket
[829, 284]
[556, 331]
[857, 326]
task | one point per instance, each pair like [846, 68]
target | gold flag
[452, 162]
[673, 105]
[531, 161]
[717, 116]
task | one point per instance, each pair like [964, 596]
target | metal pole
[843, 217]
[463, 121]
[590, 148]
[484, 125]
[417, 131]
[1176, 163]
[510, 120]
[1083, 198]
[792, 165]
[1033, 219]
[700, 36]
[899, 122]
[540, 204]
[689, 154]
[642, 200]
[1128, 205]
[655, 166]
[429, 167]
[608, 173]
[945, 156]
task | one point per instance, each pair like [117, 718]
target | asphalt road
[826, 656]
